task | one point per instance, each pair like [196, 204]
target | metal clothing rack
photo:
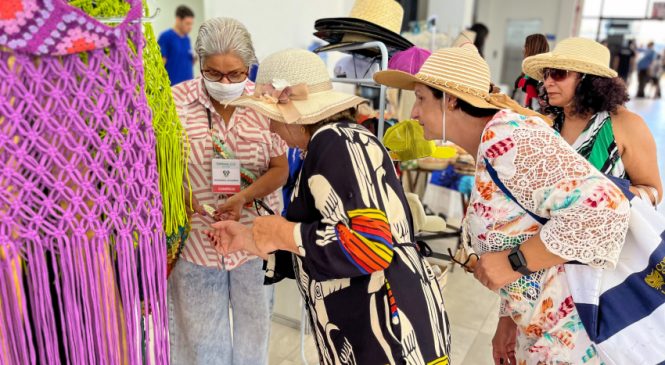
[146, 18]
[370, 82]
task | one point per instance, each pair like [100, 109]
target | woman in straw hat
[586, 98]
[371, 296]
[519, 257]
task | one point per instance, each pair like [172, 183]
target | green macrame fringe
[172, 153]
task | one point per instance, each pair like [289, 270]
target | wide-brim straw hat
[573, 54]
[293, 87]
[460, 71]
[368, 20]
[341, 37]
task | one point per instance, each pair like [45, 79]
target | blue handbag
[623, 310]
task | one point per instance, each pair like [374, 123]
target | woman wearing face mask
[371, 297]
[586, 98]
[225, 141]
[520, 258]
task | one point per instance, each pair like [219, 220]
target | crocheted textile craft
[81, 225]
[171, 151]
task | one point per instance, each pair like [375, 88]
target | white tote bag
[623, 310]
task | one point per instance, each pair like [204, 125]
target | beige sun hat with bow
[293, 87]
[573, 54]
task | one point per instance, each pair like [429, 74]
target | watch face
[515, 261]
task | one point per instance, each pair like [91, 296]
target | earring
[302, 129]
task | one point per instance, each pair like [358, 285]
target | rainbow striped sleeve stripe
[367, 240]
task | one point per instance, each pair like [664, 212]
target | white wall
[453, 15]
[557, 18]
[278, 24]
[166, 17]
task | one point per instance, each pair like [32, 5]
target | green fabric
[170, 149]
[600, 152]
[169, 133]
[597, 144]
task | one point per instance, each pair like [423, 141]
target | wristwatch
[518, 262]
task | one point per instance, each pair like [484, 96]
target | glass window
[589, 28]
[591, 8]
[625, 9]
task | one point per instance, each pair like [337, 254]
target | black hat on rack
[369, 20]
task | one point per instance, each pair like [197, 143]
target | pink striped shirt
[248, 135]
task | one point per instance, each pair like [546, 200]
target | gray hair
[225, 35]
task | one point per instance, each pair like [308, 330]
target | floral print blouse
[588, 219]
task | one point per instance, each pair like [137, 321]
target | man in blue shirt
[643, 67]
[176, 47]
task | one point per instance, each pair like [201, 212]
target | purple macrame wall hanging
[82, 248]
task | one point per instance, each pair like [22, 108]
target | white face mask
[224, 93]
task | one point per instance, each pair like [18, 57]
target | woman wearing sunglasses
[234, 160]
[520, 258]
[586, 99]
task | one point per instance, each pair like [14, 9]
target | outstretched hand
[231, 236]
[231, 209]
[267, 235]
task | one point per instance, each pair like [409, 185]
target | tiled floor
[472, 309]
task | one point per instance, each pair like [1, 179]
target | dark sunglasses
[555, 73]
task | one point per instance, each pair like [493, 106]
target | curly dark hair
[592, 95]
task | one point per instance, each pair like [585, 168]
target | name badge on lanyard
[225, 172]
[225, 176]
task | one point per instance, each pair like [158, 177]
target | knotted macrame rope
[82, 242]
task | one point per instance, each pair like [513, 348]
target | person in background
[176, 47]
[482, 32]
[295, 158]
[526, 88]
[655, 71]
[625, 60]
[586, 99]
[204, 284]
[643, 66]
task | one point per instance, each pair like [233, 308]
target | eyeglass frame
[258, 203]
[223, 75]
[464, 264]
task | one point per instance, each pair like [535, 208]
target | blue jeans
[199, 323]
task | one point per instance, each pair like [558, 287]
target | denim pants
[199, 320]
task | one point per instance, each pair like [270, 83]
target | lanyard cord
[209, 119]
